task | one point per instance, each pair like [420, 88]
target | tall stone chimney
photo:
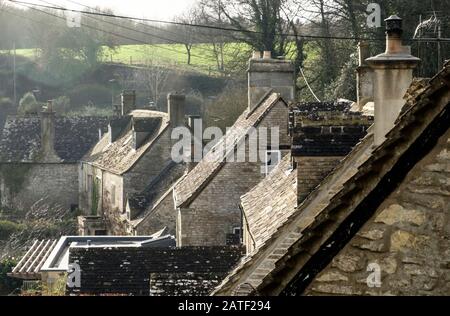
[128, 102]
[393, 74]
[176, 108]
[48, 153]
[265, 74]
[364, 76]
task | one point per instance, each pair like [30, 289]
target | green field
[168, 55]
[171, 55]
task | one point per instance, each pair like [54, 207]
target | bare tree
[188, 33]
[151, 77]
[212, 14]
[264, 25]
[155, 79]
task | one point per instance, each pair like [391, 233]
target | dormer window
[143, 129]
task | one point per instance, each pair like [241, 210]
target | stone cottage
[378, 224]
[39, 158]
[125, 172]
[322, 134]
[207, 198]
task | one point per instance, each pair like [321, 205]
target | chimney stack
[256, 55]
[48, 134]
[393, 74]
[267, 73]
[364, 77]
[128, 102]
[176, 108]
[267, 55]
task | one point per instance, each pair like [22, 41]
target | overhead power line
[113, 33]
[229, 29]
[190, 24]
[209, 51]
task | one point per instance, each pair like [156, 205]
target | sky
[153, 9]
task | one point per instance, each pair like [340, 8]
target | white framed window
[273, 158]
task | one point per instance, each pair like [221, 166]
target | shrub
[28, 104]
[8, 228]
[7, 284]
[91, 111]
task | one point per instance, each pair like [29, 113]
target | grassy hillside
[170, 55]
[173, 55]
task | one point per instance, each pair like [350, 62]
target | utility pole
[14, 75]
[439, 64]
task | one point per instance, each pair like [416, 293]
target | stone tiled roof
[309, 227]
[118, 157]
[205, 170]
[317, 110]
[145, 202]
[134, 271]
[74, 137]
[270, 202]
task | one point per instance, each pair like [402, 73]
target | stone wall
[311, 171]
[22, 185]
[130, 271]
[164, 215]
[270, 74]
[408, 238]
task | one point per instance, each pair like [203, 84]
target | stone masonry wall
[311, 171]
[408, 237]
[113, 208]
[23, 185]
[163, 216]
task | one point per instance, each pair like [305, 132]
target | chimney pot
[267, 54]
[256, 55]
[393, 74]
[50, 106]
[394, 24]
